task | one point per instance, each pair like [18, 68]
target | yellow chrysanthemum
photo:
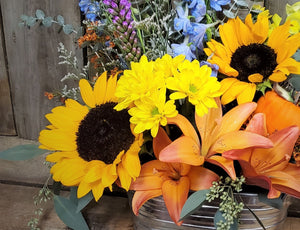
[151, 112]
[168, 65]
[195, 83]
[250, 56]
[94, 143]
[138, 82]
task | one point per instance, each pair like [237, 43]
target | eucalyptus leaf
[82, 202]
[193, 203]
[296, 56]
[24, 17]
[68, 29]
[275, 203]
[60, 19]
[40, 14]
[22, 152]
[66, 211]
[228, 14]
[31, 21]
[295, 81]
[241, 3]
[47, 22]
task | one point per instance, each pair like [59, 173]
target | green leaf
[275, 203]
[66, 211]
[31, 21]
[219, 217]
[60, 19]
[81, 202]
[24, 17]
[193, 203]
[68, 29]
[295, 81]
[228, 14]
[296, 56]
[22, 152]
[241, 3]
[47, 22]
[40, 14]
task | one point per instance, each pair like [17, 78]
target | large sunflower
[249, 55]
[93, 143]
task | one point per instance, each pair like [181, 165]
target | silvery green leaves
[69, 209]
[235, 8]
[40, 18]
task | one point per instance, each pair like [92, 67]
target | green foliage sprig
[47, 21]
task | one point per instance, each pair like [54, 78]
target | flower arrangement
[178, 96]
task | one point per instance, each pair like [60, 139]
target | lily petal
[201, 178]
[224, 163]
[175, 194]
[239, 140]
[140, 197]
[182, 150]
[186, 127]
[160, 141]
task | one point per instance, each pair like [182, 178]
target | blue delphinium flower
[214, 68]
[90, 9]
[198, 9]
[184, 49]
[182, 22]
[197, 35]
[216, 4]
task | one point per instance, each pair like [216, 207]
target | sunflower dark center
[104, 133]
[254, 58]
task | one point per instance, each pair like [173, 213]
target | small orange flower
[49, 95]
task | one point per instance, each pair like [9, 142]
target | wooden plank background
[7, 125]
[33, 60]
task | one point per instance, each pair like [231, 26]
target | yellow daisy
[138, 82]
[93, 143]
[151, 112]
[248, 55]
[195, 83]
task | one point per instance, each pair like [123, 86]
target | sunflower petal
[83, 189]
[247, 94]
[97, 189]
[124, 177]
[100, 88]
[87, 93]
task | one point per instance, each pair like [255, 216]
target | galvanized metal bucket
[154, 215]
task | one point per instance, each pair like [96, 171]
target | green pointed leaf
[40, 14]
[22, 152]
[68, 29]
[81, 202]
[193, 203]
[60, 19]
[47, 22]
[295, 81]
[275, 203]
[66, 211]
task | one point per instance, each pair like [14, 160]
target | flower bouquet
[187, 100]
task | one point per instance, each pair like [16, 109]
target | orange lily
[218, 134]
[270, 168]
[171, 180]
